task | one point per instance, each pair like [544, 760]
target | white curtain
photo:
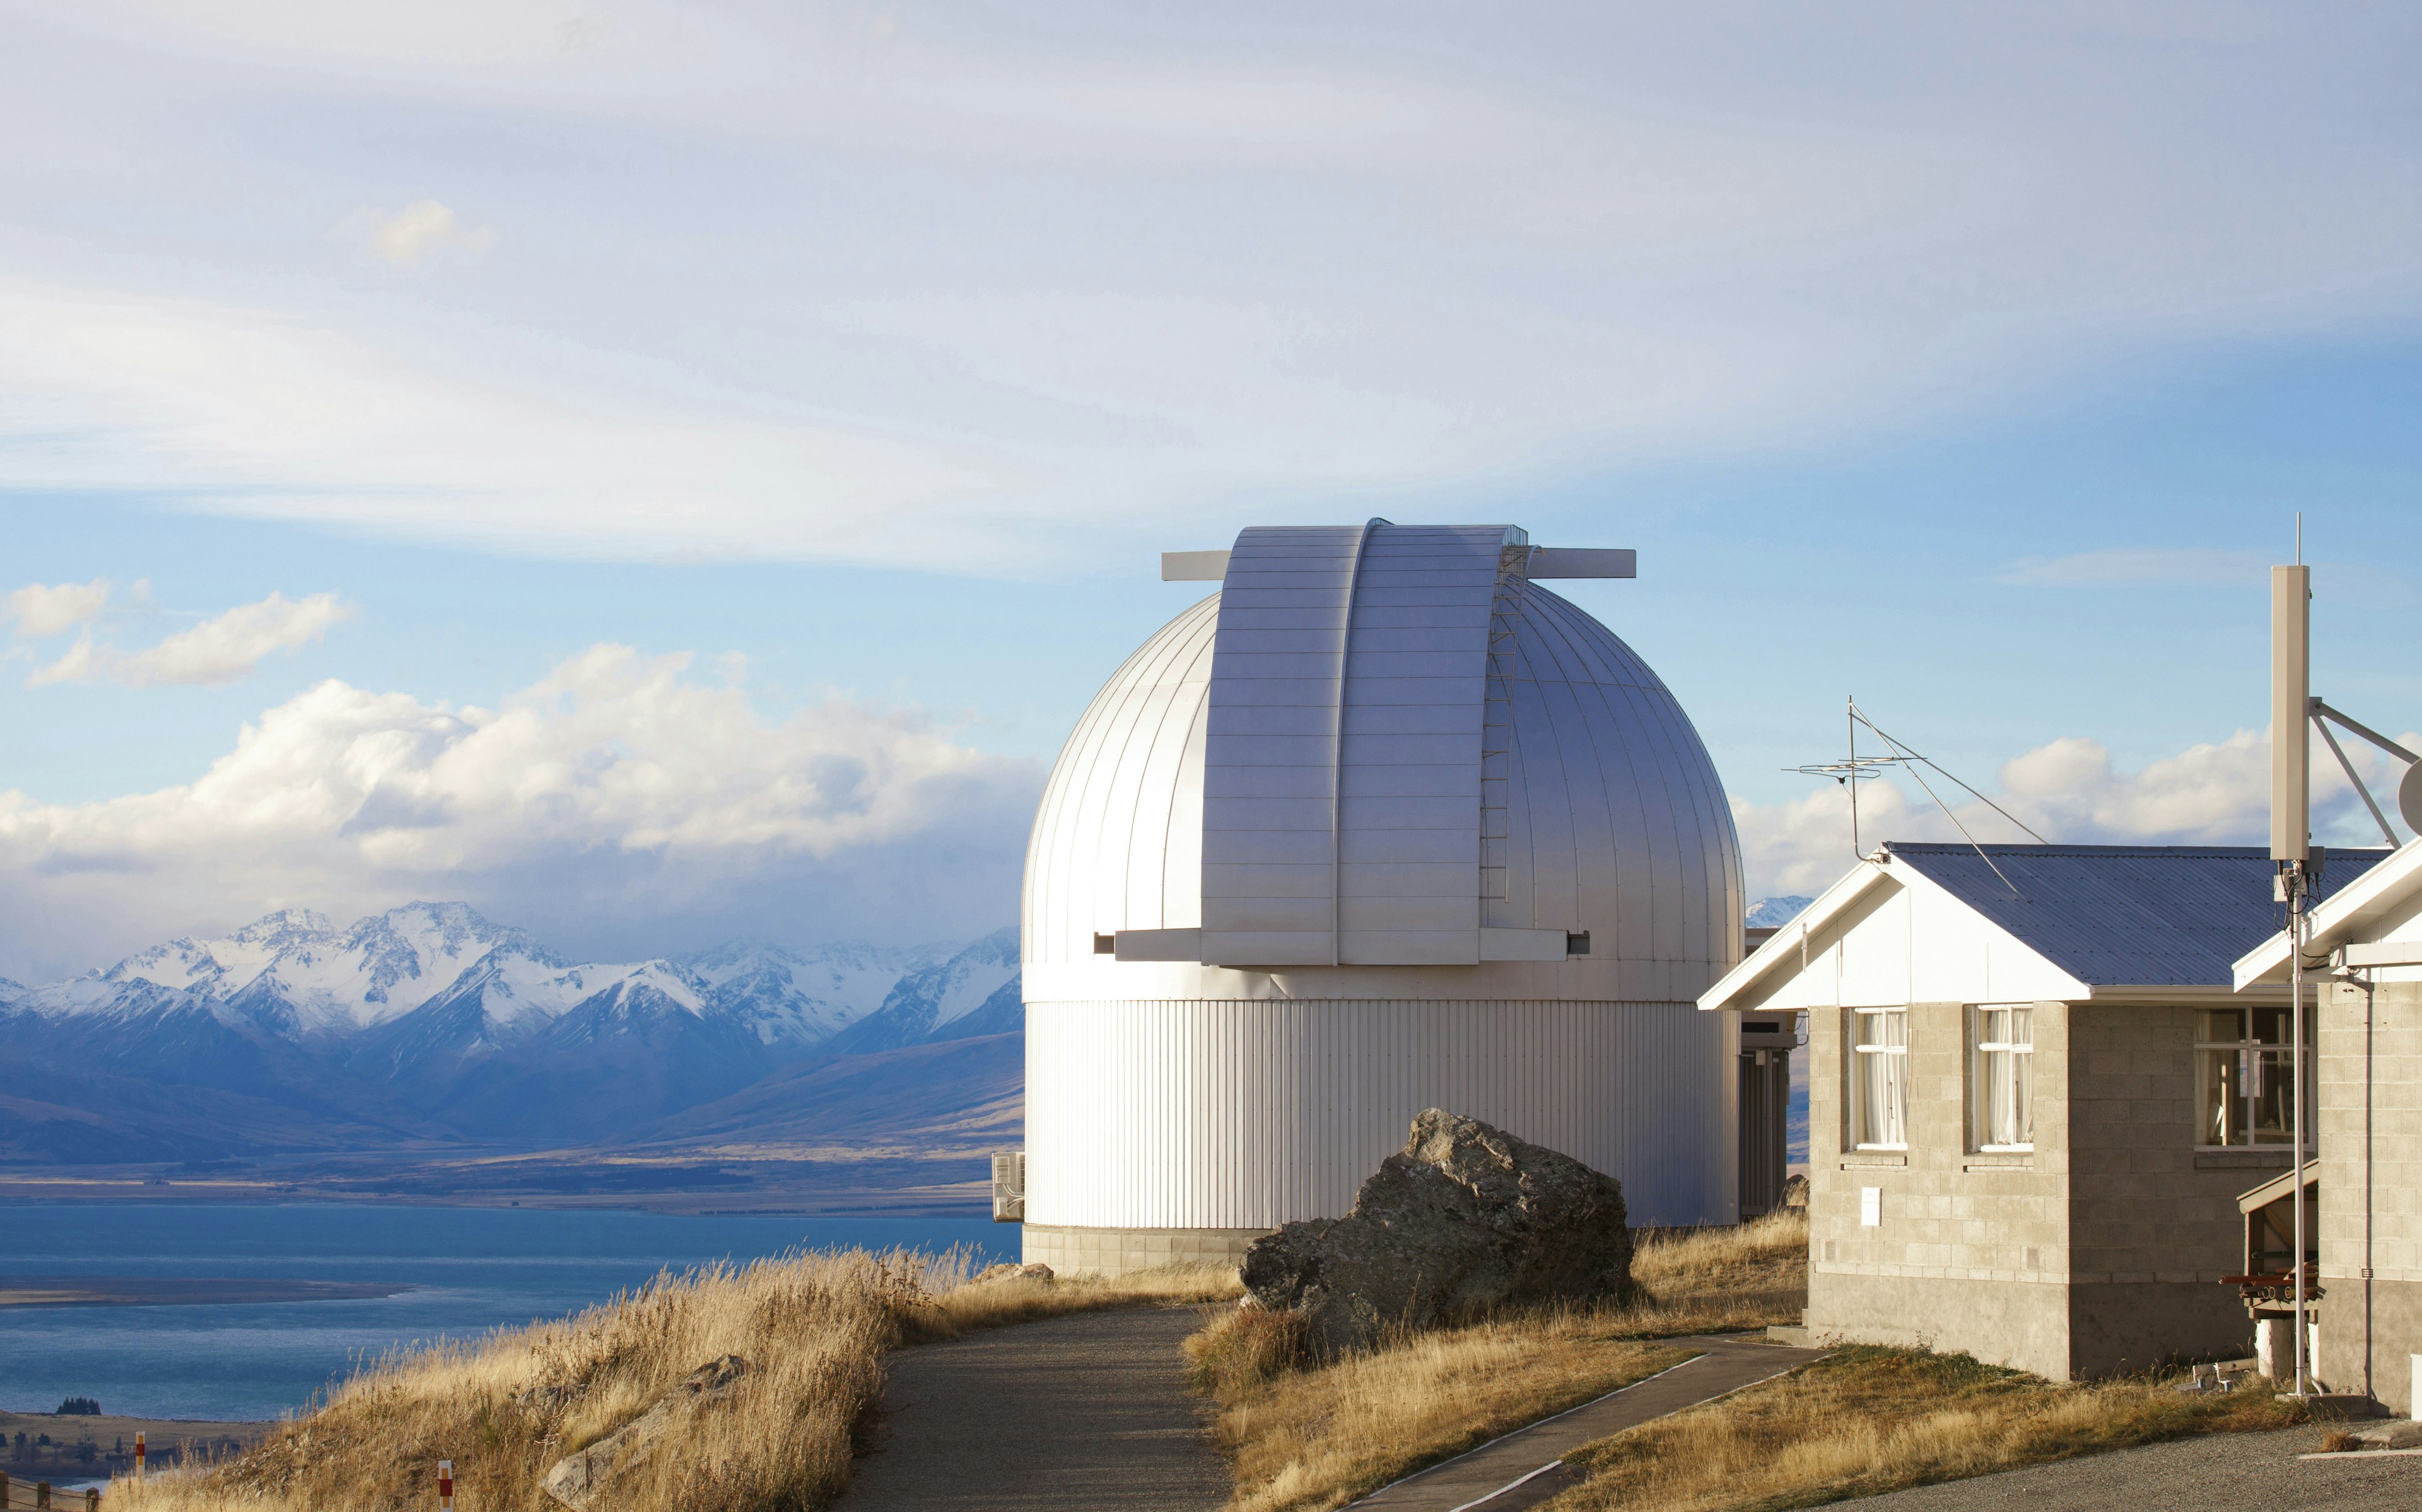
[1884, 1077]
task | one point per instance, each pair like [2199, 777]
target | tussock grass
[1316, 1435]
[1302, 1432]
[1867, 1421]
[1721, 1279]
[506, 1407]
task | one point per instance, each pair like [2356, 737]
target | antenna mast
[1854, 771]
[1851, 702]
[2291, 851]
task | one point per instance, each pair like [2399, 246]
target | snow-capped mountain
[1774, 912]
[797, 1000]
[294, 972]
[294, 965]
[973, 993]
[428, 1019]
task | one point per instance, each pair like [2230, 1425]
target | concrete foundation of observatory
[1382, 825]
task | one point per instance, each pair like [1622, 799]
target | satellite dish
[2409, 797]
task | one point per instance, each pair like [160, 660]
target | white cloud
[420, 231]
[216, 651]
[2175, 564]
[617, 794]
[2070, 791]
[40, 610]
[969, 291]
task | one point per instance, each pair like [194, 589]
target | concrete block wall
[2153, 1222]
[1948, 1265]
[2131, 1227]
[1073, 1251]
[2368, 1108]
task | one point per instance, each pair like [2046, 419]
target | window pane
[2221, 1120]
[1893, 1085]
[2022, 1029]
[2271, 1107]
[2222, 1026]
[2022, 1099]
[1993, 1026]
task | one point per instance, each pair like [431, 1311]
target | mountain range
[429, 1025]
[428, 1031]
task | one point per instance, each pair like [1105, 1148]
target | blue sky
[1973, 362]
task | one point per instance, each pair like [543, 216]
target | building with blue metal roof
[2037, 1096]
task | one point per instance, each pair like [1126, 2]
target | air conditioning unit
[1009, 1186]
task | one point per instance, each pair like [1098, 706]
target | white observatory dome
[1382, 825]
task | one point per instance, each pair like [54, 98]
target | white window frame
[2280, 1051]
[1866, 1060]
[1994, 1065]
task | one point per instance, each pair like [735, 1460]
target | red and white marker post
[446, 1486]
[138, 1453]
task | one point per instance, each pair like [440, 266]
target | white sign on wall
[1871, 1207]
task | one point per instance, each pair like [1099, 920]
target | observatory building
[1382, 825]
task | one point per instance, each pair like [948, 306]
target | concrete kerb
[2364, 1454]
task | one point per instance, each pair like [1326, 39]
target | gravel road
[1088, 1413]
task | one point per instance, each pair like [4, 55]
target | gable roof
[2348, 904]
[2119, 914]
[2105, 918]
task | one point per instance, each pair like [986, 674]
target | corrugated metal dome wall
[1619, 824]
[1210, 1114]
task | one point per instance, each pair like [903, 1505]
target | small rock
[1466, 1218]
[1009, 1270]
[579, 1480]
[546, 1400]
[1037, 1271]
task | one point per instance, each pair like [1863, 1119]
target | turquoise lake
[473, 1268]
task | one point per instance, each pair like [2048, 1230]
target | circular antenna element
[2409, 797]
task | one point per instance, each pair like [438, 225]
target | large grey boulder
[1468, 1218]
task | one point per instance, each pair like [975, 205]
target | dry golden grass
[1316, 1438]
[1721, 1279]
[1867, 1421]
[1305, 1433]
[506, 1407]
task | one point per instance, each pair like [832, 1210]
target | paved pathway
[1088, 1413]
[1524, 1468]
[2220, 1470]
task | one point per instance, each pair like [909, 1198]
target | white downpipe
[2296, 1039]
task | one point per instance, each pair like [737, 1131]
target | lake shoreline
[183, 1291]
